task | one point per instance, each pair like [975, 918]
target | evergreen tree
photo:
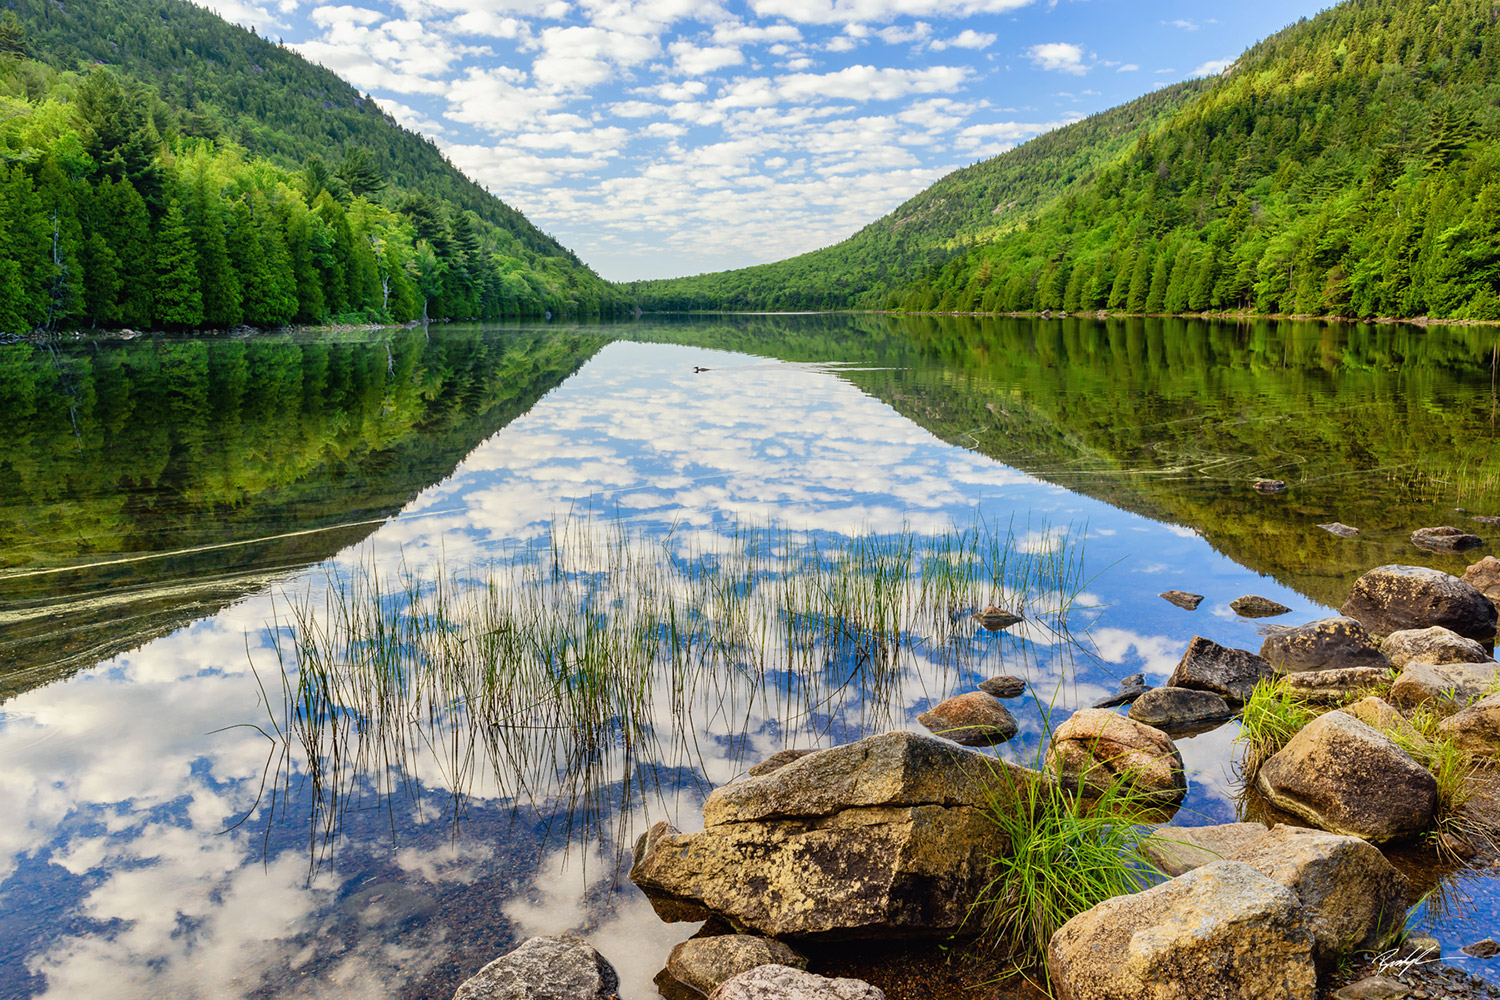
[178, 298]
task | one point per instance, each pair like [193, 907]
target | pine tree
[178, 299]
[219, 286]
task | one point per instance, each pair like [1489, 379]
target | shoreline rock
[1395, 598]
[560, 967]
[1227, 672]
[1337, 643]
[1174, 706]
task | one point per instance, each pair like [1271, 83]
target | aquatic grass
[1457, 773]
[1271, 716]
[598, 653]
[1068, 853]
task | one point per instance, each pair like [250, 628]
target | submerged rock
[1270, 486]
[996, 618]
[1334, 686]
[1224, 924]
[778, 760]
[1431, 645]
[703, 963]
[885, 837]
[1174, 706]
[1374, 988]
[780, 982]
[1395, 598]
[1004, 686]
[1180, 849]
[1326, 644]
[1476, 728]
[1096, 747]
[1183, 599]
[1342, 530]
[1345, 777]
[1484, 576]
[1445, 538]
[1353, 898]
[1130, 689]
[1444, 687]
[975, 719]
[1253, 606]
[1229, 673]
[1488, 948]
[545, 968]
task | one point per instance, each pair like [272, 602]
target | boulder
[1484, 576]
[1130, 689]
[780, 982]
[1381, 716]
[703, 963]
[1431, 645]
[1183, 599]
[996, 618]
[1444, 688]
[1488, 948]
[545, 968]
[1445, 538]
[885, 837]
[1353, 898]
[1394, 598]
[1229, 673]
[1374, 988]
[1345, 777]
[1096, 747]
[1004, 686]
[1255, 606]
[974, 719]
[778, 760]
[1477, 728]
[1334, 686]
[1173, 706]
[1179, 849]
[1326, 644]
[1223, 931]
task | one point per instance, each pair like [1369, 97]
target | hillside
[296, 198]
[930, 228]
[1348, 165]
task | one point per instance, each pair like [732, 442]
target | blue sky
[667, 137]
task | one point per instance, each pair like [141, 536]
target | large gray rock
[703, 963]
[1444, 688]
[1445, 538]
[1395, 598]
[1326, 644]
[1477, 728]
[880, 838]
[1353, 898]
[1179, 849]
[1343, 776]
[779, 982]
[1229, 673]
[1221, 932]
[1431, 645]
[1096, 747]
[1334, 686]
[975, 719]
[1174, 706]
[545, 968]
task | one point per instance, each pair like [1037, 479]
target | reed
[601, 654]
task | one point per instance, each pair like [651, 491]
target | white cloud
[694, 60]
[250, 15]
[412, 118]
[1212, 68]
[739, 33]
[877, 11]
[966, 39]
[1059, 57]
[1128, 68]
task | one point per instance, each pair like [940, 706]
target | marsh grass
[1270, 718]
[601, 655]
[1069, 851]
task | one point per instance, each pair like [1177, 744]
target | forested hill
[161, 167]
[1348, 165]
[930, 228]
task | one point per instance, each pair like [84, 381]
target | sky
[659, 138]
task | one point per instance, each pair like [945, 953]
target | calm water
[165, 505]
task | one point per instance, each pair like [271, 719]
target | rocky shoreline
[890, 844]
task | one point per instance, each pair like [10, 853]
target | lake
[188, 814]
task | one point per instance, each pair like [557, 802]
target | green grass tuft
[1271, 717]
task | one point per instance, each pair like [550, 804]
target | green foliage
[1068, 853]
[1271, 717]
[1348, 165]
[238, 139]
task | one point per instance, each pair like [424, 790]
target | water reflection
[122, 869]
